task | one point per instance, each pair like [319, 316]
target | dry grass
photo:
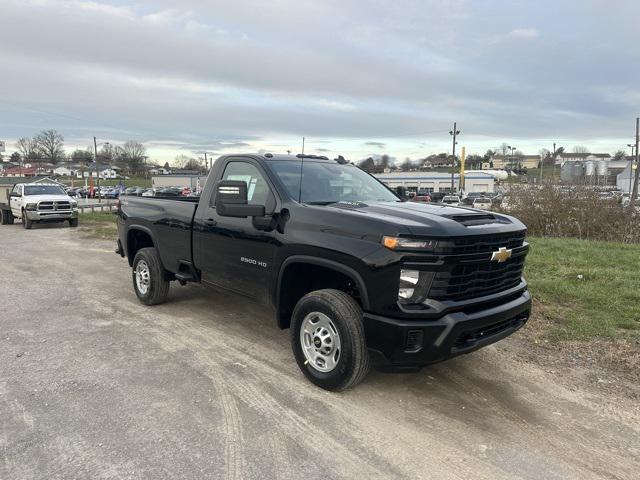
[576, 212]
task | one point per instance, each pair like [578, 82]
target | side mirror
[231, 200]
[14, 195]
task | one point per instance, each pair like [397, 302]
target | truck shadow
[473, 388]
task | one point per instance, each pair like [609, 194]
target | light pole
[630, 166]
[454, 133]
[512, 150]
[95, 148]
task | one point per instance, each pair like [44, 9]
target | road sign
[2, 145]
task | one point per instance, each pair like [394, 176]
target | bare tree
[50, 145]
[503, 149]
[82, 156]
[134, 155]
[27, 148]
[580, 149]
[188, 163]
[407, 165]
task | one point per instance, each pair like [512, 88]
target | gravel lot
[95, 385]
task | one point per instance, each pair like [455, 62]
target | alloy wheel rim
[320, 342]
[143, 277]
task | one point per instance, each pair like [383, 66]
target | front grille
[50, 206]
[464, 281]
[480, 244]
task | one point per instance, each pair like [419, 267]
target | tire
[26, 223]
[157, 285]
[344, 317]
[73, 222]
[10, 217]
[5, 217]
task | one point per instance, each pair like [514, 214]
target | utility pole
[454, 133]
[206, 162]
[634, 195]
[95, 149]
[553, 171]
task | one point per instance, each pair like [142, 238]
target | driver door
[16, 202]
[231, 252]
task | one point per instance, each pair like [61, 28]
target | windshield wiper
[325, 202]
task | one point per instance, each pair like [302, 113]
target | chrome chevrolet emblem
[502, 255]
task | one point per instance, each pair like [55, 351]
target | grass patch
[604, 303]
[99, 225]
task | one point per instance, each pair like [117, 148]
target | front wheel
[328, 341]
[149, 277]
[73, 222]
[26, 223]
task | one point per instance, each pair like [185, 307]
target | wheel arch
[285, 299]
[138, 236]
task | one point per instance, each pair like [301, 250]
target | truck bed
[170, 218]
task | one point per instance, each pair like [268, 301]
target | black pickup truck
[356, 273]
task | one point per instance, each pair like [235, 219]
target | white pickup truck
[40, 202]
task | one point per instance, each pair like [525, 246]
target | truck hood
[430, 219]
[47, 198]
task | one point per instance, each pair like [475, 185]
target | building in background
[437, 182]
[193, 181]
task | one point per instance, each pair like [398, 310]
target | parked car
[40, 202]
[482, 203]
[169, 192]
[471, 196]
[421, 198]
[343, 263]
[149, 192]
[452, 200]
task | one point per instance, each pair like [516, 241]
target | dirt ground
[95, 385]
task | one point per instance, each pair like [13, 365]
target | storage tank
[566, 172]
[577, 171]
[589, 168]
[602, 168]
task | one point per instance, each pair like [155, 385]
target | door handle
[210, 222]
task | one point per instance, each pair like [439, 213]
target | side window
[258, 192]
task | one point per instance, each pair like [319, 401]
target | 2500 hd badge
[359, 275]
[253, 261]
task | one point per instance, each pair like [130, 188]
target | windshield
[43, 190]
[324, 183]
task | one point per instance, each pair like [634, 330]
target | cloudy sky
[357, 77]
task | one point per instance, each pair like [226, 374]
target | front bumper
[421, 342]
[38, 216]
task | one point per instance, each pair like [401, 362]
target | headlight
[74, 204]
[31, 206]
[401, 243]
[414, 285]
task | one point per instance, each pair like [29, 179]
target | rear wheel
[4, 214]
[328, 341]
[149, 277]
